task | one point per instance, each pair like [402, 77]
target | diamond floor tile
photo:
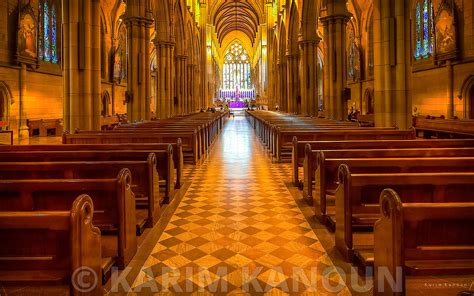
[238, 230]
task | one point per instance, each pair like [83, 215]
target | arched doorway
[5, 101]
[467, 95]
[105, 103]
[368, 104]
[471, 101]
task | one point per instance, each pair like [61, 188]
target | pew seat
[46, 247]
[357, 194]
[422, 240]
[144, 180]
[114, 205]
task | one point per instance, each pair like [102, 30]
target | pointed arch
[6, 99]
[368, 102]
[309, 21]
[106, 104]
[179, 31]
[467, 95]
[161, 13]
[293, 30]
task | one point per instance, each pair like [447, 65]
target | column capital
[335, 18]
[163, 43]
[182, 57]
[138, 21]
[305, 41]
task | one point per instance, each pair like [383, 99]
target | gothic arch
[179, 32]
[368, 102]
[163, 23]
[467, 95]
[293, 30]
[6, 99]
[309, 23]
[106, 104]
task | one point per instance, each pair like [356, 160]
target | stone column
[164, 93]
[292, 81]
[450, 68]
[23, 132]
[196, 102]
[138, 77]
[181, 83]
[390, 42]
[309, 82]
[81, 64]
[189, 85]
[283, 82]
[335, 33]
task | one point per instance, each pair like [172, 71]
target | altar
[237, 105]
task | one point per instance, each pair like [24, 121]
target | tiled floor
[238, 231]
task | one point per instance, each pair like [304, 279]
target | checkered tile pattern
[238, 230]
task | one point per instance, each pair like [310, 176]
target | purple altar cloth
[237, 105]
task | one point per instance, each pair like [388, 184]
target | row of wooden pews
[346, 193]
[399, 205]
[196, 131]
[277, 130]
[88, 205]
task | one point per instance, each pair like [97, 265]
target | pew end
[421, 240]
[72, 243]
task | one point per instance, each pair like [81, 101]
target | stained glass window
[236, 74]
[423, 29]
[48, 49]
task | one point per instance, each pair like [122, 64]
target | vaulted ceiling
[236, 15]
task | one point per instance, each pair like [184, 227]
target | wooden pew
[314, 158]
[189, 141]
[327, 174]
[423, 240]
[164, 161]
[150, 148]
[47, 247]
[298, 147]
[444, 128]
[285, 138]
[202, 135]
[114, 204]
[144, 180]
[357, 199]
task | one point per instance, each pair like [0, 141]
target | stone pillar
[451, 111]
[164, 93]
[184, 79]
[309, 82]
[292, 81]
[335, 33]
[283, 87]
[196, 101]
[23, 132]
[138, 77]
[180, 60]
[189, 85]
[390, 43]
[81, 64]
[169, 84]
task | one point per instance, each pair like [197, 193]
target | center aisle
[239, 231]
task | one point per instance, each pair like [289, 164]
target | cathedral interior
[220, 93]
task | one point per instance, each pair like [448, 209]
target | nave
[238, 230]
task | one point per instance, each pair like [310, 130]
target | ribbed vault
[236, 15]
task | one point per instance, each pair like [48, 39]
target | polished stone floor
[238, 230]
